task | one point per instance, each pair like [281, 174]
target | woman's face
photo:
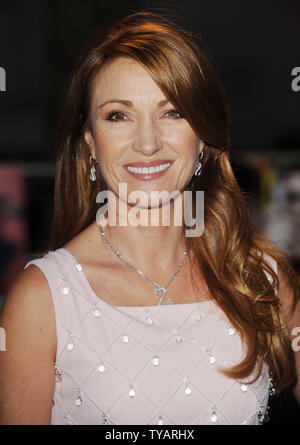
[134, 127]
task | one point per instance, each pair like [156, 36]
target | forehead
[124, 78]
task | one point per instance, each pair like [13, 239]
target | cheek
[178, 133]
[108, 142]
[185, 145]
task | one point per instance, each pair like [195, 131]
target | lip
[149, 163]
[148, 176]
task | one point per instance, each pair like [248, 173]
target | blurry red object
[13, 234]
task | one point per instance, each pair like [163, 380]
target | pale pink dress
[148, 365]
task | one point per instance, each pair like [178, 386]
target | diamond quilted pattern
[133, 414]
[109, 376]
[202, 375]
[184, 409]
[151, 381]
[105, 387]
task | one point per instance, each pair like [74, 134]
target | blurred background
[254, 47]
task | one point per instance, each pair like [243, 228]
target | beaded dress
[144, 365]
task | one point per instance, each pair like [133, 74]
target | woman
[92, 334]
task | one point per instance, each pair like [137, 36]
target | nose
[147, 141]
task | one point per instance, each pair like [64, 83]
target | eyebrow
[129, 103]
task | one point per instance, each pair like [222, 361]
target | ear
[201, 145]
[88, 137]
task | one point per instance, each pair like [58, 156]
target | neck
[151, 245]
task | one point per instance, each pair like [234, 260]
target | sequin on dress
[151, 365]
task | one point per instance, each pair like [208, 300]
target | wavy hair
[230, 252]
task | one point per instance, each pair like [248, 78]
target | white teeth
[145, 170]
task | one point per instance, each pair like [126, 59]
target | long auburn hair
[230, 252]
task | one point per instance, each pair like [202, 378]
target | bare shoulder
[29, 302]
[27, 365]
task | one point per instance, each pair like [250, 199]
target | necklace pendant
[157, 289]
[160, 289]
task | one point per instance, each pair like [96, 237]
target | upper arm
[27, 374]
[285, 294]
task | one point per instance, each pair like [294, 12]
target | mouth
[146, 171]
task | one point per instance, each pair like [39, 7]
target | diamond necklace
[158, 288]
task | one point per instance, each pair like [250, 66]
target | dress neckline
[92, 292]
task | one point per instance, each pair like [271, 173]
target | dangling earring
[198, 165]
[93, 176]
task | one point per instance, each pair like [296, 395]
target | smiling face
[136, 134]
